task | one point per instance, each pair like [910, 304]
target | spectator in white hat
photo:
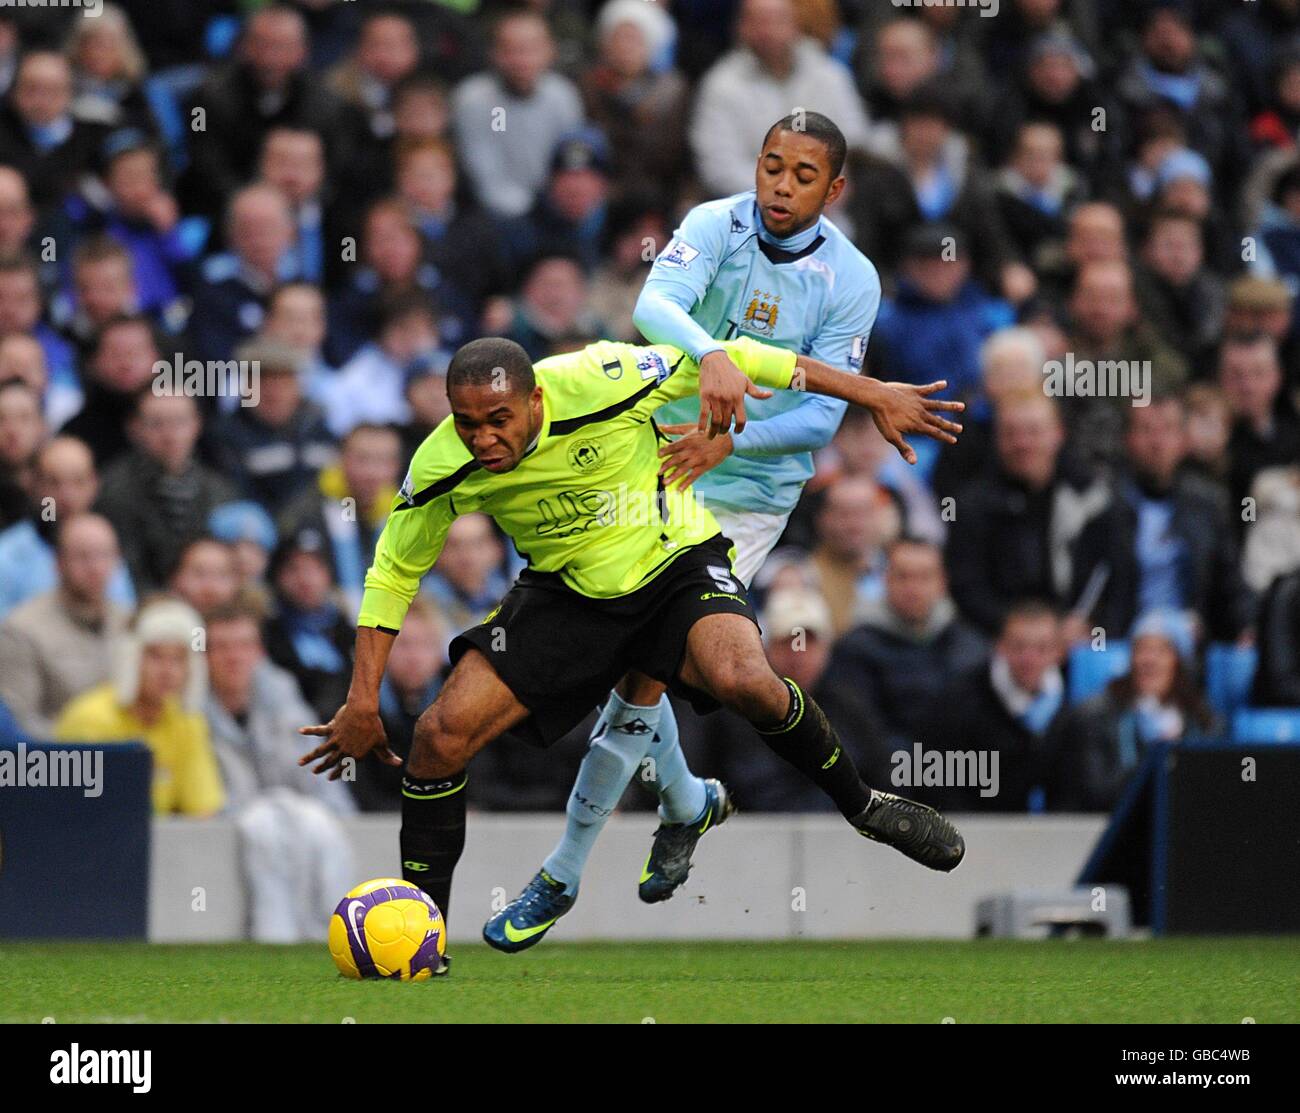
[157, 696]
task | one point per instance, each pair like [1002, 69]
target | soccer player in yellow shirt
[623, 574]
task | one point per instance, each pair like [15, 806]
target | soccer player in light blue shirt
[765, 264]
[724, 274]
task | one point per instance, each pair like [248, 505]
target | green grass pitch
[1161, 981]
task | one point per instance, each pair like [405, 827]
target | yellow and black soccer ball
[387, 928]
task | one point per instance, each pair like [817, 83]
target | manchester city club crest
[761, 313]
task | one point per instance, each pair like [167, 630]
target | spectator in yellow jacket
[157, 697]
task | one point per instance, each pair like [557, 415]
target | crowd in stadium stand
[321, 188]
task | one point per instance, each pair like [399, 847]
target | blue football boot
[670, 854]
[524, 922]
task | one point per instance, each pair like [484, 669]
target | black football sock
[433, 834]
[806, 739]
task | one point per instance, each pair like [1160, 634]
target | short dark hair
[512, 13]
[193, 543]
[1236, 339]
[127, 320]
[1172, 216]
[481, 363]
[819, 127]
[1030, 610]
[386, 10]
[419, 81]
[400, 304]
[930, 99]
[21, 264]
[237, 610]
[99, 249]
[912, 541]
[369, 428]
[289, 129]
[143, 395]
[1160, 396]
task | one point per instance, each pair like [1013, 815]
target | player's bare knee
[437, 749]
[730, 686]
[749, 688]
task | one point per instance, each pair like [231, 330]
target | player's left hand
[903, 408]
[351, 734]
[691, 455]
[723, 390]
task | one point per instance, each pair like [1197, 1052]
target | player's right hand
[905, 408]
[723, 388]
[353, 733]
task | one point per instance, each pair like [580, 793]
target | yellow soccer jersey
[587, 501]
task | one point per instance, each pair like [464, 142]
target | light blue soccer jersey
[813, 293]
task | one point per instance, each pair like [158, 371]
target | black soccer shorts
[560, 652]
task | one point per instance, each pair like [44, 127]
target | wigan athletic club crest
[584, 456]
[761, 313]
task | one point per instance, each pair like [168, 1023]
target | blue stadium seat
[1229, 673]
[1090, 670]
[1251, 726]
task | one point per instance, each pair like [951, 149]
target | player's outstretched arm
[356, 728]
[408, 546]
[898, 409]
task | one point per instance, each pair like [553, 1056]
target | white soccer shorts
[755, 535]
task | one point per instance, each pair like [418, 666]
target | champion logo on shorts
[723, 595]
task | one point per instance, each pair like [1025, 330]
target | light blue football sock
[681, 792]
[619, 741]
